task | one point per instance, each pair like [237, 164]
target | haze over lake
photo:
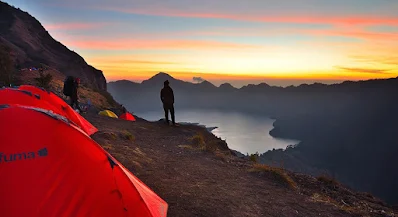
[246, 133]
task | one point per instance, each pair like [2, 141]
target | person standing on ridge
[167, 97]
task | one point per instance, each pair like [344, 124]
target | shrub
[198, 140]
[254, 157]
[277, 173]
[109, 135]
[328, 180]
[211, 145]
[127, 135]
[44, 80]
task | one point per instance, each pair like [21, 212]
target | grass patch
[277, 173]
[127, 135]
[221, 156]
[254, 157]
[113, 135]
[328, 180]
[109, 135]
[198, 140]
[212, 145]
[108, 147]
[130, 157]
[127, 161]
[320, 198]
[189, 147]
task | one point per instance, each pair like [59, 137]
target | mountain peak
[158, 79]
[124, 82]
[162, 76]
[226, 86]
[206, 84]
[263, 84]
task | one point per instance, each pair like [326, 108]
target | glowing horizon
[228, 40]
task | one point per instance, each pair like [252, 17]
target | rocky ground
[197, 175]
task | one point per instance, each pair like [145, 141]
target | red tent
[52, 168]
[127, 116]
[43, 97]
[13, 96]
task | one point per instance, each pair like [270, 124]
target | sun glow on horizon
[225, 40]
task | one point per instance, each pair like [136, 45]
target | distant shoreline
[240, 154]
[278, 134]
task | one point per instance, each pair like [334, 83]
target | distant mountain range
[31, 45]
[261, 98]
[347, 130]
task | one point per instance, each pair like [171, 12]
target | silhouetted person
[74, 99]
[167, 97]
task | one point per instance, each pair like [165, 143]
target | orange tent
[127, 116]
[42, 100]
[52, 168]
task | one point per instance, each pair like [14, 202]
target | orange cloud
[365, 70]
[127, 44]
[74, 26]
[127, 61]
[388, 60]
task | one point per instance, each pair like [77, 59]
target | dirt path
[195, 182]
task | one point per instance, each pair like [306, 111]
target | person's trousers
[74, 102]
[168, 108]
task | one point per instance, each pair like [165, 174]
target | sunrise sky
[280, 42]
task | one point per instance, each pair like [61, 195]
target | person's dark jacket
[167, 95]
[75, 86]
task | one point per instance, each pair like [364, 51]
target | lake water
[245, 133]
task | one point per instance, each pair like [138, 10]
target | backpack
[68, 85]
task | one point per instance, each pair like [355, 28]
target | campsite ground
[196, 174]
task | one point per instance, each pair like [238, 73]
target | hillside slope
[197, 175]
[99, 99]
[31, 46]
